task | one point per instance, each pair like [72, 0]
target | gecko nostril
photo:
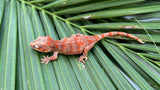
[30, 44]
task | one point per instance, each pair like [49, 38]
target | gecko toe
[85, 59]
[45, 60]
[82, 59]
[44, 56]
[42, 62]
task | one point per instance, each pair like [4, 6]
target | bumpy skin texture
[76, 44]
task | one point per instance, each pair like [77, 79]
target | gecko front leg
[47, 59]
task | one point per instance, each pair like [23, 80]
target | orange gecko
[76, 44]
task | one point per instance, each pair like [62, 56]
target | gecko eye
[36, 46]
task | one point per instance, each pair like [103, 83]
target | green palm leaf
[112, 63]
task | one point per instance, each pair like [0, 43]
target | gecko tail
[108, 34]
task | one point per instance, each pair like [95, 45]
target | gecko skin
[76, 44]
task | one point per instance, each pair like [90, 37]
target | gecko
[75, 44]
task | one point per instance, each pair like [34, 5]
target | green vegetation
[114, 63]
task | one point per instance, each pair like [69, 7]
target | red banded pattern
[99, 37]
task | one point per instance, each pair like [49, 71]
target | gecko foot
[82, 59]
[45, 60]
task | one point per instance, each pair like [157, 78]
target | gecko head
[43, 44]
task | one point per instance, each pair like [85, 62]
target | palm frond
[112, 63]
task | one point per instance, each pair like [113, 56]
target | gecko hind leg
[47, 59]
[83, 57]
